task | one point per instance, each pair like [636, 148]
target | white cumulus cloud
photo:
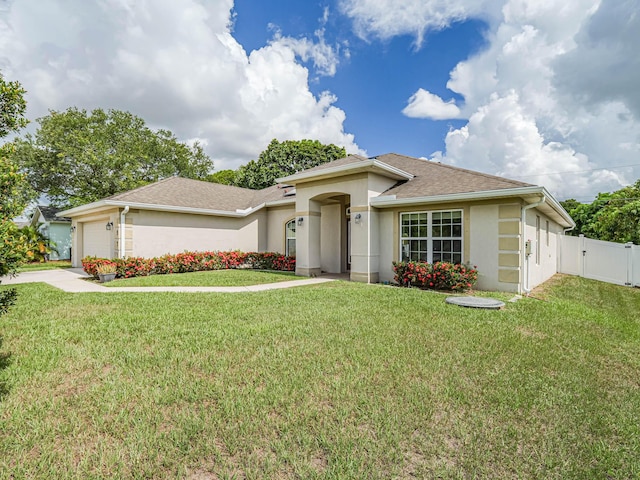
[552, 99]
[175, 64]
[424, 104]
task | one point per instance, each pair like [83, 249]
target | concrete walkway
[71, 280]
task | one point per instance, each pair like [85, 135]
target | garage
[96, 240]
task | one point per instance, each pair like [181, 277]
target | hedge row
[436, 276]
[190, 262]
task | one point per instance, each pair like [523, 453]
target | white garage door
[96, 240]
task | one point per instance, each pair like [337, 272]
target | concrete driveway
[73, 280]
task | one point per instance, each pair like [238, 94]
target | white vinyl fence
[610, 262]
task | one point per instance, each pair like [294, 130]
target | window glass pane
[436, 257]
[436, 218]
[415, 231]
[456, 216]
[415, 245]
[446, 257]
[291, 247]
[437, 245]
[405, 250]
[446, 216]
[291, 229]
[457, 258]
[405, 231]
[423, 218]
[446, 231]
[423, 231]
[436, 231]
[414, 218]
[423, 245]
[457, 246]
[457, 231]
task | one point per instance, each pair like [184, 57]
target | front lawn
[339, 380]
[214, 278]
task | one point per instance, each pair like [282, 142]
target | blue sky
[544, 91]
[375, 81]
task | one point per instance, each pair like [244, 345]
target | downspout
[368, 243]
[525, 257]
[123, 214]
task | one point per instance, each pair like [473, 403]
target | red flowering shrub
[191, 262]
[436, 276]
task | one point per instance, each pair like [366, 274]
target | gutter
[525, 256]
[100, 205]
[123, 214]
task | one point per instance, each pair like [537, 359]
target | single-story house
[354, 215]
[56, 229]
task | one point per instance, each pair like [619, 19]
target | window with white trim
[431, 236]
[290, 238]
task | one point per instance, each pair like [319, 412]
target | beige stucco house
[355, 215]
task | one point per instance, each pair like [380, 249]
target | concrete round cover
[475, 302]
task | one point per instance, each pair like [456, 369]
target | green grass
[339, 381]
[215, 278]
[50, 265]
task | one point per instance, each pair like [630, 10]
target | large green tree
[285, 158]
[77, 157]
[12, 107]
[14, 194]
[613, 216]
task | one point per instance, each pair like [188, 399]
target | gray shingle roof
[49, 214]
[430, 179]
[433, 178]
[184, 192]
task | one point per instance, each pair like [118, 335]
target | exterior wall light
[300, 221]
[358, 218]
[109, 225]
[72, 229]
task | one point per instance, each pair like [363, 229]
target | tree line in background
[614, 217]
[279, 160]
[77, 157]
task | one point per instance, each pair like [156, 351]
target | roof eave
[275, 203]
[521, 192]
[355, 167]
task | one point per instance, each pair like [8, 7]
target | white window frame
[287, 237]
[430, 238]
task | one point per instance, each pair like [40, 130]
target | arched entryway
[323, 235]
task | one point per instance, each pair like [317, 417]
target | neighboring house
[354, 215]
[56, 229]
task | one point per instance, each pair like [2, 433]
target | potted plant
[106, 272]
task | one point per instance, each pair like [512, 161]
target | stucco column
[308, 240]
[364, 245]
